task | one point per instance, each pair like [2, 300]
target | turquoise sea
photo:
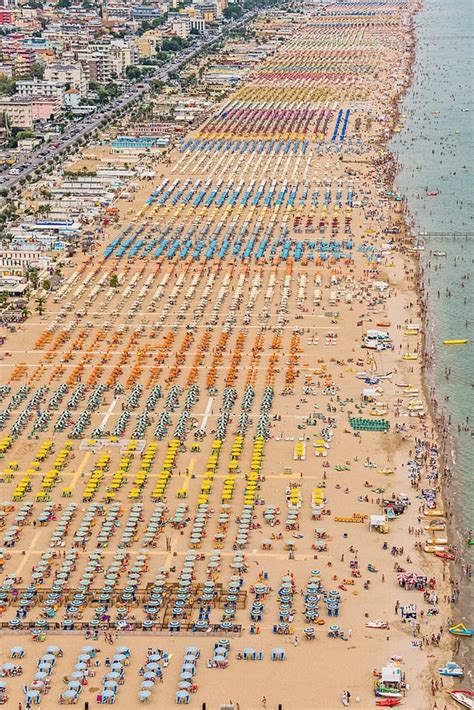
[435, 150]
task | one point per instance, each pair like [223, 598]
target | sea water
[435, 150]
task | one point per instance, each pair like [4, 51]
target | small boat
[432, 193]
[433, 513]
[439, 253]
[437, 541]
[455, 341]
[386, 471]
[375, 377]
[433, 527]
[436, 524]
[376, 624]
[410, 356]
[388, 702]
[451, 669]
[463, 697]
[384, 692]
[384, 324]
[433, 548]
[460, 630]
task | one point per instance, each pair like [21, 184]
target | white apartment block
[36, 87]
[72, 75]
[182, 27]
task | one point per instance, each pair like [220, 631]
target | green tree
[189, 81]
[27, 133]
[44, 210]
[7, 86]
[33, 277]
[161, 20]
[132, 72]
[9, 213]
[156, 86]
[40, 301]
[172, 45]
[232, 11]
[37, 70]
[113, 281]
[47, 285]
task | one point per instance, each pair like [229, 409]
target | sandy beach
[217, 436]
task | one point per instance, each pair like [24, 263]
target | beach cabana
[108, 696]
[278, 654]
[33, 696]
[55, 650]
[68, 696]
[183, 697]
[17, 652]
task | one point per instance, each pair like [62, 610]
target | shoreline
[434, 416]
[437, 415]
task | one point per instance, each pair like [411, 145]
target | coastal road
[90, 123]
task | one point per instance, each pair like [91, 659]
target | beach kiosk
[378, 523]
[369, 394]
[391, 683]
[391, 675]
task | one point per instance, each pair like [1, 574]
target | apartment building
[106, 61]
[25, 111]
[115, 14]
[68, 75]
[181, 26]
[37, 87]
[12, 53]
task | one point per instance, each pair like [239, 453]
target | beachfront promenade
[219, 476]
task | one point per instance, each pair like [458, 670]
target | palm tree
[40, 301]
[25, 312]
[33, 277]
[44, 210]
